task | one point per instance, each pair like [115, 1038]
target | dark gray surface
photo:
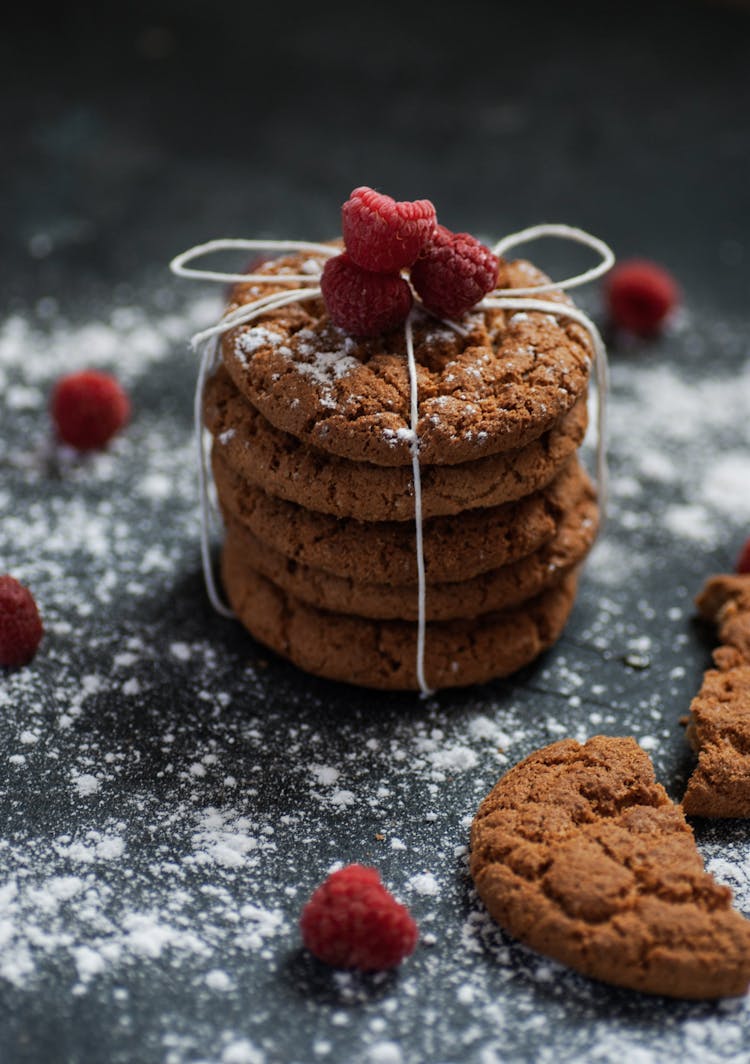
[126, 142]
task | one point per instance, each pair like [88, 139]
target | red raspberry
[383, 235]
[640, 295]
[453, 272]
[361, 302]
[20, 624]
[88, 408]
[743, 562]
[351, 921]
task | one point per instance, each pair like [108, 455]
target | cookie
[579, 853]
[455, 548]
[719, 732]
[499, 589]
[497, 388]
[382, 654]
[285, 467]
[719, 722]
[725, 601]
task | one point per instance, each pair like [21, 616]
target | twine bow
[307, 287]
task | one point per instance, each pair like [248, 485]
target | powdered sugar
[424, 884]
[86, 784]
[248, 341]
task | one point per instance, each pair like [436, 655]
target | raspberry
[743, 562]
[383, 235]
[88, 408]
[361, 302]
[20, 624]
[351, 921]
[640, 295]
[453, 272]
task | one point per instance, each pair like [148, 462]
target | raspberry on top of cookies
[333, 370]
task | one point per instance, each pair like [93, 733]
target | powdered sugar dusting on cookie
[546, 370]
[328, 366]
[248, 341]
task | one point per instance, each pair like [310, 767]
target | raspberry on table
[453, 272]
[382, 234]
[640, 296]
[21, 627]
[361, 302]
[743, 562]
[88, 408]
[351, 921]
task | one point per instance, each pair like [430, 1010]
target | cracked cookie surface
[285, 467]
[500, 589]
[580, 854]
[455, 548]
[382, 654]
[496, 388]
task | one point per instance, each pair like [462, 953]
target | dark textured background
[125, 140]
[124, 137]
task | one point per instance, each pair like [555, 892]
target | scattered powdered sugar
[725, 487]
[86, 784]
[424, 884]
[225, 839]
[687, 431]
[384, 1053]
[173, 793]
[325, 773]
[218, 980]
[242, 1052]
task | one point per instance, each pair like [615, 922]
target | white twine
[207, 343]
[418, 521]
[565, 232]
[178, 263]
[209, 356]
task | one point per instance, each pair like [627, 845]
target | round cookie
[382, 654]
[579, 853]
[455, 548]
[499, 589]
[285, 467]
[503, 384]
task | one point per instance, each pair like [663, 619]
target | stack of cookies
[313, 469]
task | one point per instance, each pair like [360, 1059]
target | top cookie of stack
[312, 460]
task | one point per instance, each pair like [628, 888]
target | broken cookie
[719, 722]
[580, 854]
